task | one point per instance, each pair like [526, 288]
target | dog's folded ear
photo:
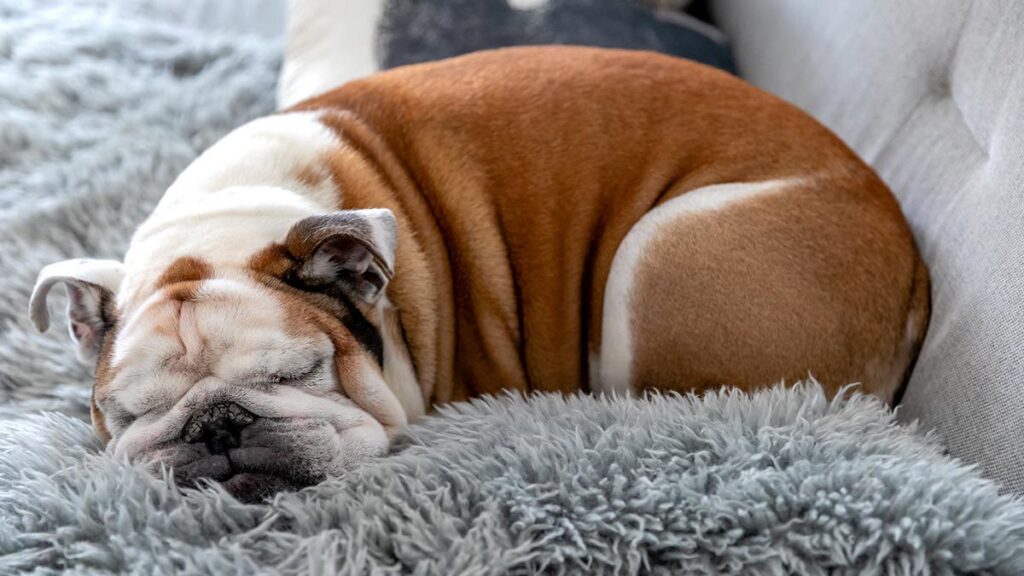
[91, 287]
[353, 250]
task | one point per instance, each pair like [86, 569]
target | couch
[102, 104]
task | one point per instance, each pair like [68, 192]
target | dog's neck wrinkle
[399, 368]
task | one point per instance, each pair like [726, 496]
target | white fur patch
[527, 4]
[239, 196]
[329, 43]
[398, 368]
[105, 274]
[614, 364]
[200, 333]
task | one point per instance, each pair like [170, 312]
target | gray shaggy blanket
[782, 482]
[100, 108]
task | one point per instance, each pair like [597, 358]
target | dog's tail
[918, 315]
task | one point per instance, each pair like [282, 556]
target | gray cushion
[931, 93]
[413, 32]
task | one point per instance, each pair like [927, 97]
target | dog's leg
[654, 279]
[329, 43]
[749, 284]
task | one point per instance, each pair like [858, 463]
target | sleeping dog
[553, 219]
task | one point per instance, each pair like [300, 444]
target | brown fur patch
[312, 176]
[185, 269]
[303, 312]
[789, 287]
[182, 291]
[274, 261]
[98, 420]
[181, 280]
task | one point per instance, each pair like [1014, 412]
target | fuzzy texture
[781, 482]
[100, 109]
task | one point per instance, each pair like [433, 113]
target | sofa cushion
[411, 32]
[931, 93]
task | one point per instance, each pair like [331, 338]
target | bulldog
[529, 219]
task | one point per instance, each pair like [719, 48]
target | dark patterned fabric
[420, 30]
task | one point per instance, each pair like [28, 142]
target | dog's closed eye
[286, 376]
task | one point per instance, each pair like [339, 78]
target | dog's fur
[522, 219]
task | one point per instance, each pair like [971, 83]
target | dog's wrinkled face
[241, 384]
[262, 377]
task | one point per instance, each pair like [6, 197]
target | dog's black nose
[219, 426]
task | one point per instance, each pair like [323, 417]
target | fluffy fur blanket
[100, 108]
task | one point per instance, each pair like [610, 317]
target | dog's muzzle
[254, 448]
[225, 443]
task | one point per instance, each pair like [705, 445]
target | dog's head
[262, 375]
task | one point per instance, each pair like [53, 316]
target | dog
[529, 219]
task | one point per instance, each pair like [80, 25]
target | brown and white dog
[554, 219]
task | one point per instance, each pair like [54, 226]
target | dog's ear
[91, 287]
[353, 250]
